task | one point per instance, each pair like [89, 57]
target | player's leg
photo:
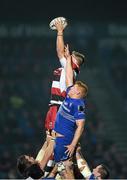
[47, 161]
[65, 164]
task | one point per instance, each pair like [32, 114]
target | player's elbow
[82, 129]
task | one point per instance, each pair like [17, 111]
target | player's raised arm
[59, 25]
[69, 70]
[59, 39]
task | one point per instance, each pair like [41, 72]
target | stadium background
[27, 59]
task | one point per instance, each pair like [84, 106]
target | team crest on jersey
[81, 108]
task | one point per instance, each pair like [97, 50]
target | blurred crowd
[25, 73]
[114, 54]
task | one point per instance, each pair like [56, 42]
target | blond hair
[80, 57]
[83, 86]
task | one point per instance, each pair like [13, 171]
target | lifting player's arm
[69, 70]
[48, 152]
[41, 152]
[82, 163]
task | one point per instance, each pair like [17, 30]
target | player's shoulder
[80, 101]
[80, 105]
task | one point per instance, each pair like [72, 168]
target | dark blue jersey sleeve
[92, 177]
[68, 89]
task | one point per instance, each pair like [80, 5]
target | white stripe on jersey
[60, 84]
[56, 84]
[62, 81]
[63, 62]
[66, 115]
[55, 102]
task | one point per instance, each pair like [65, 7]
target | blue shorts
[59, 149]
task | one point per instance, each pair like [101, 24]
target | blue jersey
[92, 177]
[70, 111]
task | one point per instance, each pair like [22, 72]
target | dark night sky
[42, 10]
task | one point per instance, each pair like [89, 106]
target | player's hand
[59, 26]
[70, 150]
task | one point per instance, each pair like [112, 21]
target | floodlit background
[98, 28]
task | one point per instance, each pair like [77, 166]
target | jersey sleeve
[68, 89]
[63, 62]
[80, 112]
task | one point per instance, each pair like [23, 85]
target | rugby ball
[62, 19]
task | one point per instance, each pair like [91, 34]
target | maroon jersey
[58, 93]
[58, 89]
